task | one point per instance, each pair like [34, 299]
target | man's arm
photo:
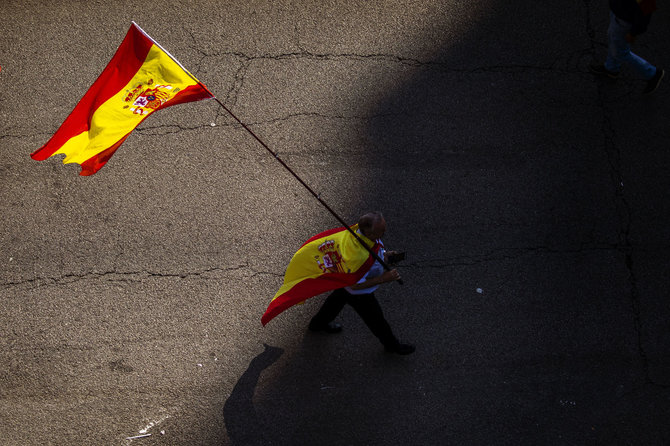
[388, 276]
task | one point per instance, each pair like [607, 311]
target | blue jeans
[619, 50]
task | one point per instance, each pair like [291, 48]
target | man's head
[372, 225]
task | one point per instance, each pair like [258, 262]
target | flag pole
[311, 191]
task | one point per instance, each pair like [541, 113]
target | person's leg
[619, 50]
[368, 308]
[370, 311]
[329, 311]
[617, 47]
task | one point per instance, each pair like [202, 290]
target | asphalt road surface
[532, 200]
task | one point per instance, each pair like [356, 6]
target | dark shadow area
[528, 178]
[243, 424]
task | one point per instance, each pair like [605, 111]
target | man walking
[361, 295]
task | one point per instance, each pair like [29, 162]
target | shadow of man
[239, 414]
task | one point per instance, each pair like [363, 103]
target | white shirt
[375, 270]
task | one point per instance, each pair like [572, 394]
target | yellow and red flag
[141, 78]
[329, 260]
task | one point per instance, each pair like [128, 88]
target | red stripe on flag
[188, 94]
[95, 163]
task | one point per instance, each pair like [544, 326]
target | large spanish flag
[327, 261]
[141, 78]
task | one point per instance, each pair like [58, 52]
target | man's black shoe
[400, 349]
[654, 82]
[332, 327]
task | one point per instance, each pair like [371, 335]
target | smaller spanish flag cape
[329, 260]
[141, 78]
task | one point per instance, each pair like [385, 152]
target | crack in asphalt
[126, 277]
[624, 207]
[169, 129]
[383, 57]
[245, 62]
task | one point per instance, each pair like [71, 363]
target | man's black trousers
[366, 306]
